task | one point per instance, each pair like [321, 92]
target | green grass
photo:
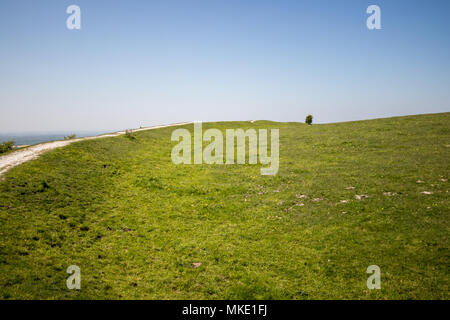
[135, 223]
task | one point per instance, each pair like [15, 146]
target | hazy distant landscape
[29, 138]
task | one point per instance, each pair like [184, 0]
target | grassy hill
[136, 224]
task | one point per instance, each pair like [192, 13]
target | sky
[146, 62]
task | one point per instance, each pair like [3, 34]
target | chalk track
[20, 156]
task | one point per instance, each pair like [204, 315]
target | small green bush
[70, 137]
[6, 146]
[129, 134]
[309, 119]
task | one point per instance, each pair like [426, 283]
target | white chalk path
[20, 156]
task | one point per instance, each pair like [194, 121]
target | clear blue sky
[148, 62]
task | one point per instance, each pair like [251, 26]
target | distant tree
[309, 119]
[6, 146]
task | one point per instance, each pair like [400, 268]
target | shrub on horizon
[70, 137]
[129, 134]
[6, 146]
[309, 119]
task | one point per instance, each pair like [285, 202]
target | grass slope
[135, 223]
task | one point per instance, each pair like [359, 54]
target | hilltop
[346, 196]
